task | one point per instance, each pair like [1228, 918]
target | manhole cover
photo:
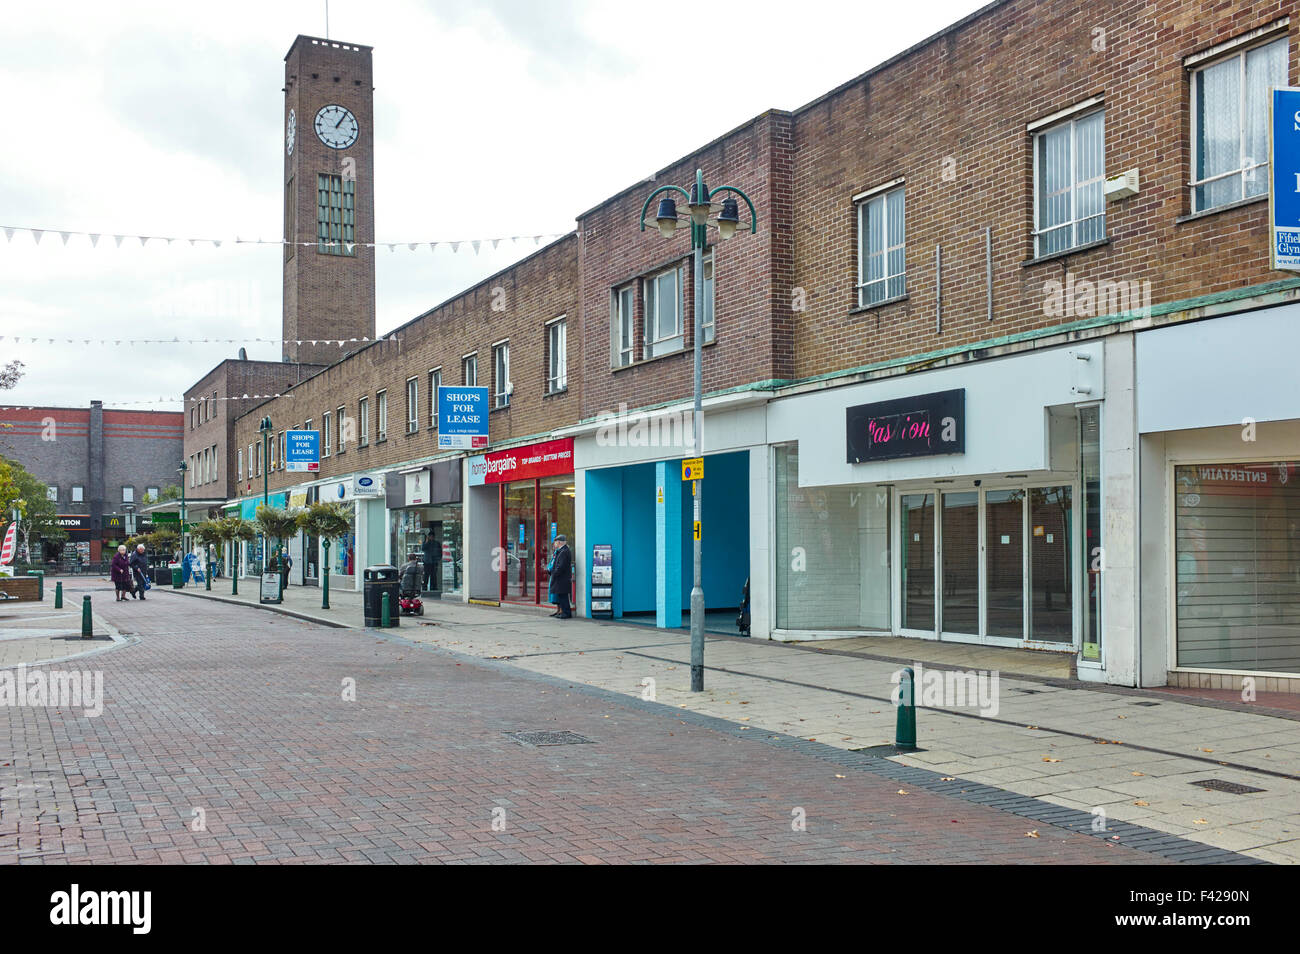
[547, 738]
[1146, 703]
[1232, 788]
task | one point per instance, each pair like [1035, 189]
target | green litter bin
[177, 579]
[40, 582]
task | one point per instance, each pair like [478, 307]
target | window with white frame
[381, 414]
[363, 422]
[435, 382]
[78, 494]
[284, 440]
[128, 495]
[469, 370]
[412, 405]
[706, 320]
[557, 360]
[239, 465]
[1069, 182]
[882, 247]
[214, 462]
[207, 462]
[622, 326]
[250, 460]
[151, 493]
[259, 458]
[52, 492]
[663, 313]
[340, 428]
[501, 374]
[326, 433]
[1230, 107]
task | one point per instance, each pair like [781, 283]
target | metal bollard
[58, 595]
[385, 614]
[905, 727]
[87, 630]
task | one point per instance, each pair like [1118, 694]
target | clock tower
[329, 199]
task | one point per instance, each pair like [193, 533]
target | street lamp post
[699, 201]
[181, 470]
[265, 426]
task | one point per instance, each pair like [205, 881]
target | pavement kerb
[271, 607]
[1149, 840]
[99, 625]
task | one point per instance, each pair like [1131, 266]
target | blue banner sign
[462, 417]
[1284, 196]
[302, 451]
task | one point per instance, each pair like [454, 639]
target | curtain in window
[1218, 121]
[1265, 68]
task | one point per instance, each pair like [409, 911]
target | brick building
[1002, 363]
[99, 465]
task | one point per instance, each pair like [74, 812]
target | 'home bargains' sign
[546, 459]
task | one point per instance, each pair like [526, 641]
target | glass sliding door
[916, 525]
[1051, 565]
[959, 543]
[1004, 554]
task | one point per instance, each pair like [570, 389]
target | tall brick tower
[329, 198]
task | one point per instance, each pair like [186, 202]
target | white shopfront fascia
[1216, 391]
[1012, 439]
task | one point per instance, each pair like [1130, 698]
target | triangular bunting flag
[495, 243]
[9, 234]
[143, 240]
[455, 246]
[65, 236]
[433, 246]
[412, 245]
[476, 243]
[36, 234]
[118, 240]
[94, 239]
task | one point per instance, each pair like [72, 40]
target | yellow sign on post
[697, 530]
[693, 468]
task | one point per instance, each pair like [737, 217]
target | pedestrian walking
[121, 573]
[561, 577]
[139, 564]
[430, 549]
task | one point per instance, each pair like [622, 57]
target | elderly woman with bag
[121, 573]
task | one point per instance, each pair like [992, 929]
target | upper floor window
[622, 326]
[435, 382]
[250, 460]
[78, 494]
[381, 414]
[412, 405]
[1230, 106]
[334, 215]
[128, 495]
[882, 250]
[194, 416]
[663, 313]
[259, 457]
[1069, 179]
[501, 374]
[214, 462]
[469, 370]
[363, 422]
[283, 443]
[52, 492]
[239, 465]
[706, 320]
[557, 360]
[326, 433]
[341, 428]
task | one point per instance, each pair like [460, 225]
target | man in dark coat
[139, 569]
[562, 577]
[431, 552]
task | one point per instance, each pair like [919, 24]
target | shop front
[959, 504]
[426, 521]
[1220, 495]
[523, 498]
[358, 494]
[253, 551]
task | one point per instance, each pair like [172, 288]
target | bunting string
[94, 237]
[57, 340]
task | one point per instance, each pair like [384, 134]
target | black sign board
[921, 426]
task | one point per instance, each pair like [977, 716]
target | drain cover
[885, 751]
[1232, 788]
[1028, 692]
[547, 738]
[1146, 703]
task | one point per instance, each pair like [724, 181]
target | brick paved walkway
[237, 716]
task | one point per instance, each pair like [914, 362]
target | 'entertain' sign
[921, 426]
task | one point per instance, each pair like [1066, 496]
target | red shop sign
[547, 459]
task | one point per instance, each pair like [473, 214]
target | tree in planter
[235, 529]
[210, 533]
[326, 520]
[280, 524]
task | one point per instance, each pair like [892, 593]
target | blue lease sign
[302, 451]
[1284, 165]
[462, 417]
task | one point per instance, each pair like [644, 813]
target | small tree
[325, 520]
[280, 524]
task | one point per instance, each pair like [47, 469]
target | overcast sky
[502, 117]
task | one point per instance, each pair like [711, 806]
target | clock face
[336, 126]
[291, 132]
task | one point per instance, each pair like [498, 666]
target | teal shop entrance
[644, 511]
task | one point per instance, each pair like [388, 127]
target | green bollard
[58, 595]
[207, 577]
[905, 727]
[385, 614]
[87, 630]
[234, 581]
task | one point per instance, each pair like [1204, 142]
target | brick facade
[515, 305]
